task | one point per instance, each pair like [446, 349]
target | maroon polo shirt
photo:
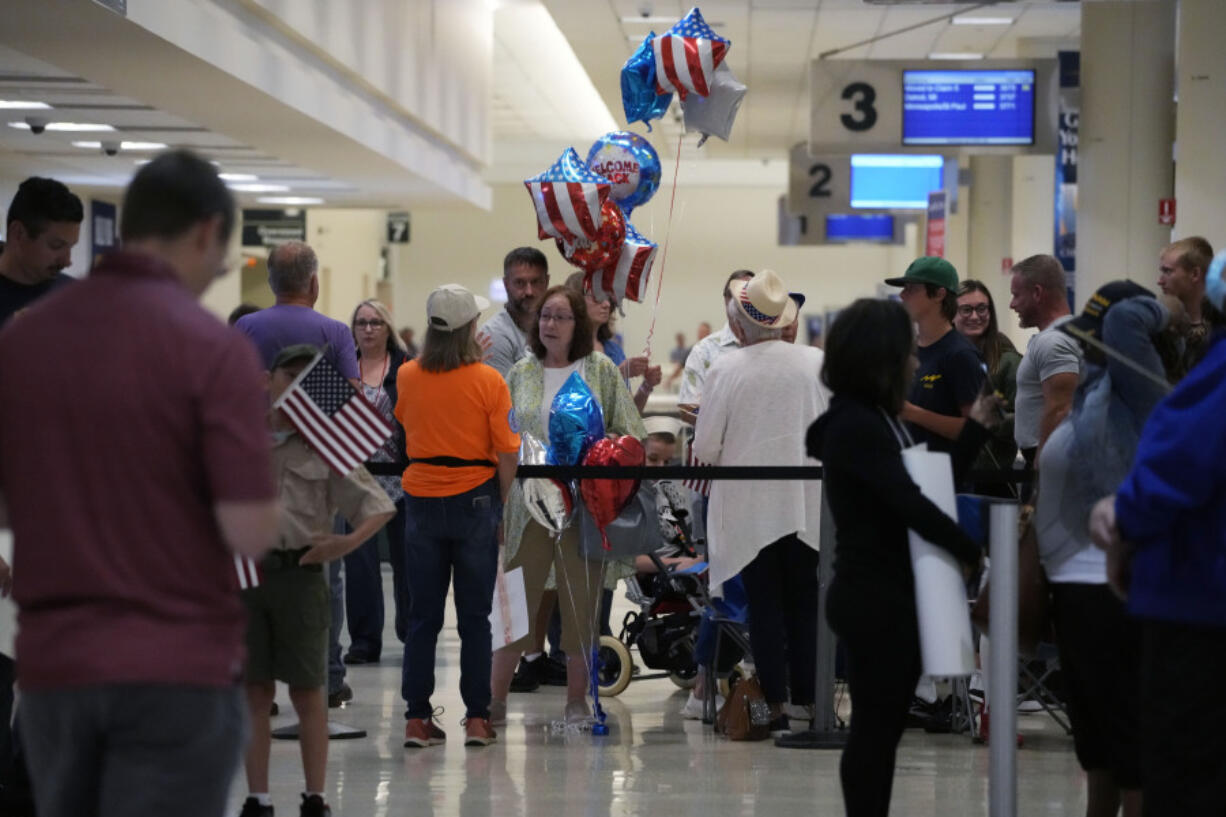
[126, 412]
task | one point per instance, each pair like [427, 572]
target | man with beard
[525, 274]
[44, 224]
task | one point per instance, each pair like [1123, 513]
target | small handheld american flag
[333, 417]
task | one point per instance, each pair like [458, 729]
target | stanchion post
[1002, 677]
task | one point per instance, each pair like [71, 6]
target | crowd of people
[199, 549]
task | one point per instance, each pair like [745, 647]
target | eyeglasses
[547, 317]
[362, 323]
[966, 310]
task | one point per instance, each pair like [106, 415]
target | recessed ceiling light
[238, 177]
[123, 145]
[22, 105]
[259, 187]
[67, 127]
[982, 21]
[290, 200]
[955, 55]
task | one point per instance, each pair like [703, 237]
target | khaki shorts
[288, 617]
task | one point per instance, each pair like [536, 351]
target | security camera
[110, 148]
[37, 124]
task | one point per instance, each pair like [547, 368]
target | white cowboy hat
[765, 300]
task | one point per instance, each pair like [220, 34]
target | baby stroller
[672, 605]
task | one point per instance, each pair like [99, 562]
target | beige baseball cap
[451, 306]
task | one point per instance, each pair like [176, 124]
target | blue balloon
[575, 422]
[639, 97]
[630, 164]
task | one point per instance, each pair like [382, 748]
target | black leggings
[781, 587]
[883, 666]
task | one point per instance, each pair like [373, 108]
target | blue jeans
[445, 534]
[364, 588]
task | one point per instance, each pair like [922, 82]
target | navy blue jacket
[1172, 504]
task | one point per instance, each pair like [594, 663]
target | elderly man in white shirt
[757, 403]
[704, 354]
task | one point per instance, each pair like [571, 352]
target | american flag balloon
[628, 277]
[687, 56]
[568, 198]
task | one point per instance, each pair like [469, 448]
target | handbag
[634, 532]
[1033, 592]
[745, 715]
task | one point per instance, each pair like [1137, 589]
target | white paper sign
[940, 591]
[509, 611]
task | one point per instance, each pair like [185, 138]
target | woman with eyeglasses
[601, 314]
[380, 355]
[561, 341]
[976, 321]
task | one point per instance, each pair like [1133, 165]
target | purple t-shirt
[276, 327]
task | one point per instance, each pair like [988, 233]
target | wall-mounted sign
[103, 235]
[934, 234]
[981, 106]
[1166, 212]
[397, 228]
[271, 228]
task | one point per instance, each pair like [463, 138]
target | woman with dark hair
[976, 321]
[600, 312]
[561, 341]
[462, 459]
[870, 360]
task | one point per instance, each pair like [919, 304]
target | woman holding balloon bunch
[562, 344]
[600, 311]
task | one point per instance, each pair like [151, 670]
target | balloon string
[668, 228]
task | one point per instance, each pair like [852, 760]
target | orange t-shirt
[463, 413]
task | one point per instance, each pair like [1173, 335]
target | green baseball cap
[928, 269]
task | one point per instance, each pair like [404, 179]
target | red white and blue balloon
[568, 198]
[687, 56]
[630, 163]
[628, 277]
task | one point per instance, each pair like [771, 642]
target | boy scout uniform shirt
[311, 493]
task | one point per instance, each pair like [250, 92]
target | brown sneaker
[423, 732]
[478, 732]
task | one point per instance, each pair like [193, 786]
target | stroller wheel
[616, 666]
[686, 678]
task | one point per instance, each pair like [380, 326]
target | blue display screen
[895, 181]
[860, 227]
[968, 107]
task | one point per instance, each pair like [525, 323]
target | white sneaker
[796, 712]
[577, 713]
[1029, 706]
[692, 711]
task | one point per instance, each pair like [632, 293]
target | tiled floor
[652, 762]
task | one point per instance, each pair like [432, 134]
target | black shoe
[252, 808]
[355, 657]
[528, 674]
[780, 727]
[314, 806]
[275, 710]
[341, 696]
[554, 673]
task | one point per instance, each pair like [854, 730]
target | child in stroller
[671, 592]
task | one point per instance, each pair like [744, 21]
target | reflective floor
[652, 762]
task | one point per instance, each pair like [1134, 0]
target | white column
[1200, 172]
[989, 228]
[1127, 136]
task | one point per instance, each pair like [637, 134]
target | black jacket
[874, 502]
[398, 359]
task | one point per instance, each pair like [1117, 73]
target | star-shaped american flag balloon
[568, 198]
[687, 56]
[627, 278]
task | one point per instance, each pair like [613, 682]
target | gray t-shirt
[508, 343]
[1049, 353]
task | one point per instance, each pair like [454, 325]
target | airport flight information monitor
[876, 227]
[894, 181]
[968, 107]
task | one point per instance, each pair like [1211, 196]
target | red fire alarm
[1166, 211]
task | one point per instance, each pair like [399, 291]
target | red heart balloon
[605, 248]
[605, 499]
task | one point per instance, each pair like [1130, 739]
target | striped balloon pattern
[568, 197]
[687, 56]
